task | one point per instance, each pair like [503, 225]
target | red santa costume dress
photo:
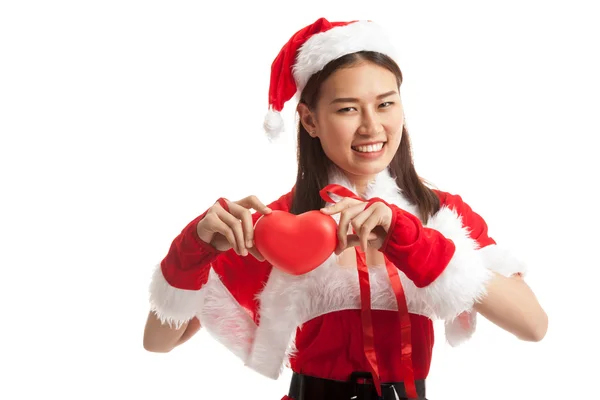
[368, 314]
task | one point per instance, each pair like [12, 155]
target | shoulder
[284, 202]
[452, 201]
[456, 203]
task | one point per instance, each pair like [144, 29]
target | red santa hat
[309, 50]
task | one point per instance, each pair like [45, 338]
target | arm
[176, 291]
[508, 301]
[440, 259]
[512, 305]
[472, 274]
[210, 254]
[453, 267]
[446, 272]
[162, 338]
[487, 281]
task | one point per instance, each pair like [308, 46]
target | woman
[359, 325]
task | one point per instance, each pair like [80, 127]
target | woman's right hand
[231, 226]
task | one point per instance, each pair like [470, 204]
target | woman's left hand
[370, 226]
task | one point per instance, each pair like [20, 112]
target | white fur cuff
[497, 259]
[172, 305]
[464, 280]
[502, 261]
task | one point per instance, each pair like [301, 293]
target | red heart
[296, 244]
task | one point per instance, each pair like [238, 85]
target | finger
[254, 251]
[244, 215]
[333, 209]
[353, 239]
[343, 204]
[367, 228]
[342, 234]
[254, 203]
[346, 218]
[236, 227]
[221, 227]
[358, 223]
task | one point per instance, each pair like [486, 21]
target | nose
[370, 124]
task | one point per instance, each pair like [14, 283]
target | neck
[360, 183]
[357, 183]
[382, 185]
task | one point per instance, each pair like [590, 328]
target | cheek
[394, 141]
[397, 123]
[396, 127]
[337, 133]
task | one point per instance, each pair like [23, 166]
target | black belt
[304, 387]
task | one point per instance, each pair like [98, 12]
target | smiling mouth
[372, 148]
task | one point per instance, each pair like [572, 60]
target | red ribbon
[366, 315]
[405, 332]
[339, 191]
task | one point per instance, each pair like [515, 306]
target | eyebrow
[355, 100]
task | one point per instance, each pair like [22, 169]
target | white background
[121, 121]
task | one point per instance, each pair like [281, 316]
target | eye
[386, 104]
[346, 110]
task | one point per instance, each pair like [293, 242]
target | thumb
[254, 251]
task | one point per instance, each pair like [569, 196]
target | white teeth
[370, 148]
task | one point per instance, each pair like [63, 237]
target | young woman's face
[358, 119]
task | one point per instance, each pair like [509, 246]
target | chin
[362, 168]
[366, 170]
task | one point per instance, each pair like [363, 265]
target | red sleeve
[423, 253]
[187, 263]
[420, 252]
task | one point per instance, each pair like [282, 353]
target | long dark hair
[314, 165]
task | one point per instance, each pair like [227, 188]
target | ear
[307, 119]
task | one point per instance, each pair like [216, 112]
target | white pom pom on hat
[273, 124]
[308, 51]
